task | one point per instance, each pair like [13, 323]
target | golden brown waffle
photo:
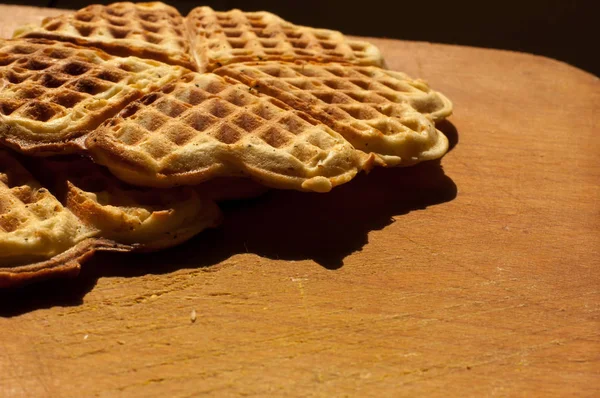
[34, 225]
[221, 38]
[146, 30]
[46, 233]
[368, 85]
[206, 126]
[51, 92]
[39, 237]
[149, 218]
[376, 110]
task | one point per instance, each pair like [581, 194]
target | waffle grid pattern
[215, 127]
[51, 91]
[344, 86]
[221, 38]
[374, 109]
[33, 223]
[152, 30]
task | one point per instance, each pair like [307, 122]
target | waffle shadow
[284, 225]
[287, 225]
[449, 130]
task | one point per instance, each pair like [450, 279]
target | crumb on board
[193, 316]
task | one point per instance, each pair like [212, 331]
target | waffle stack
[113, 140]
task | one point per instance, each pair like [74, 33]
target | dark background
[563, 29]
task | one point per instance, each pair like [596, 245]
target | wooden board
[476, 276]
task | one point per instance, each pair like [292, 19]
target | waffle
[51, 92]
[204, 126]
[34, 225]
[221, 38]
[39, 237]
[376, 110]
[145, 30]
[149, 218]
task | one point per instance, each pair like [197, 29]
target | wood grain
[476, 276]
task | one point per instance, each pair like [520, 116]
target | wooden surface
[476, 276]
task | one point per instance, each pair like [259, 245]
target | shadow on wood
[284, 225]
[449, 131]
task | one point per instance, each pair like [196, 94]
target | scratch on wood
[92, 352]
[299, 281]
[44, 373]
[443, 370]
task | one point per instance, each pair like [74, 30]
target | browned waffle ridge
[65, 264]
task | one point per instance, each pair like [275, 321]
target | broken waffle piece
[52, 92]
[50, 232]
[145, 30]
[34, 225]
[205, 126]
[221, 38]
[378, 111]
[39, 237]
[150, 219]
